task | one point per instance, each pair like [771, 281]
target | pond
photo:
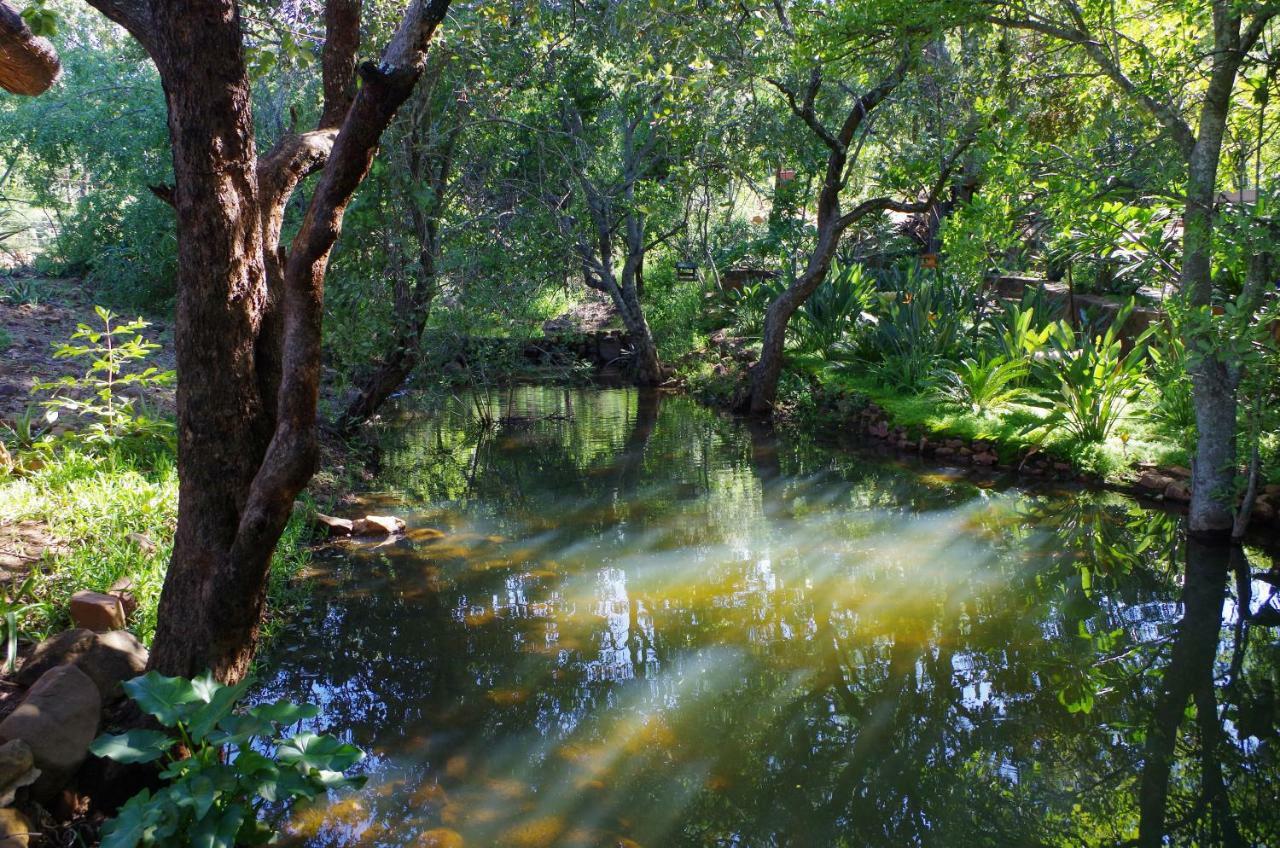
[645, 624]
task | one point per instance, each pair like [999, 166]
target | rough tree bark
[247, 333]
[28, 64]
[762, 389]
[1215, 377]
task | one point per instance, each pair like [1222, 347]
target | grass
[1010, 429]
[114, 513]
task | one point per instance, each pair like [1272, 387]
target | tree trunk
[247, 332]
[1214, 379]
[28, 64]
[763, 377]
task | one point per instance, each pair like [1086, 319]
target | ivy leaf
[135, 746]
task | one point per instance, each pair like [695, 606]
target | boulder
[1176, 491]
[107, 658]
[115, 657]
[97, 611]
[58, 720]
[66, 647]
[123, 589]
[985, 458]
[15, 829]
[1154, 483]
[334, 526]
[17, 769]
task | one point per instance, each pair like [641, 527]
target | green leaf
[135, 746]
[310, 751]
[218, 831]
[168, 699]
[284, 712]
[133, 824]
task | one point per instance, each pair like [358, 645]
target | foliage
[835, 306]
[918, 328]
[16, 605]
[21, 290]
[983, 382]
[97, 396]
[214, 795]
[1092, 381]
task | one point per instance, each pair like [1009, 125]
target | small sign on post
[686, 271]
[929, 260]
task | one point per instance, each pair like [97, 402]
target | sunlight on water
[625, 621]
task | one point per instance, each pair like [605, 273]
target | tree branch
[338, 62]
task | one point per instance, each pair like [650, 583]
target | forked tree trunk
[762, 378]
[248, 316]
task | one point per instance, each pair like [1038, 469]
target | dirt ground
[32, 330]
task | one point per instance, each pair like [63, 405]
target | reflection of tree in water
[748, 640]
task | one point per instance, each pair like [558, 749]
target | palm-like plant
[1093, 380]
[984, 383]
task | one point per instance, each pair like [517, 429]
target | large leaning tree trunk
[1215, 373]
[430, 142]
[248, 314]
[609, 209]
[832, 222]
[28, 64]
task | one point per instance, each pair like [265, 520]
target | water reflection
[649, 625]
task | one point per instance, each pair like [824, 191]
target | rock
[123, 589]
[334, 526]
[97, 611]
[1062, 466]
[1176, 491]
[67, 647]
[981, 445]
[1179, 472]
[985, 458]
[945, 451]
[1154, 483]
[1263, 512]
[107, 658]
[115, 657]
[1273, 490]
[144, 544]
[964, 451]
[440, 837]
[17, 769]
[58, 719]
[377, 525]
[14, 829]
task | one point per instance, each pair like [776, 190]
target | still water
[648, 625]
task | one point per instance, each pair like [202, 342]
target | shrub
[215, 796]
[983, 383]
[111, 352]
[1092, 381]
